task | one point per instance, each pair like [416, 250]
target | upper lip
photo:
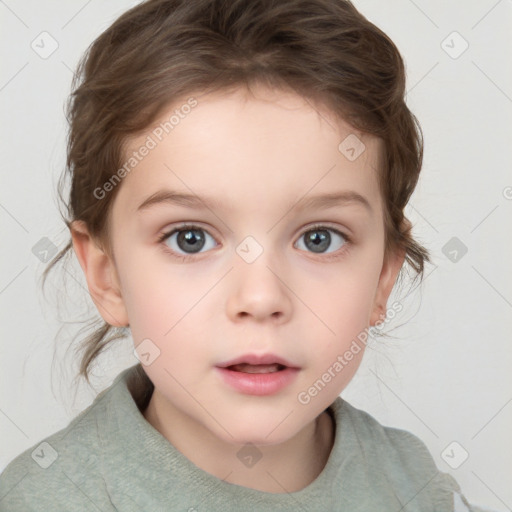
[257, 359]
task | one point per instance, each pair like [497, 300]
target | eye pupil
[192, 237]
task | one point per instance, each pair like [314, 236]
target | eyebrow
[327, 200]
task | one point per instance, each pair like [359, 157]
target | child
[272, 137]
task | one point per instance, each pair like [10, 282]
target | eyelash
[320, 227]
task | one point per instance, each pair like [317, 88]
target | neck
[281, 468]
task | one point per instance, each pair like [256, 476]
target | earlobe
[101, 276]
[390, 269]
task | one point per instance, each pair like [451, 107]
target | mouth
[258, 363]
[259, 375]
[256, 368]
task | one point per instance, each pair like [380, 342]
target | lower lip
[258, 383]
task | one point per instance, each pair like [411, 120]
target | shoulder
[392, 446]
[400, 460]
[62, 469]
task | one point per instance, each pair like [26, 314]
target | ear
[101, 276]
[390, 269]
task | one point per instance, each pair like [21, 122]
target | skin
[258, 155]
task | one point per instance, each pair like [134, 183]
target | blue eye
[319, 238]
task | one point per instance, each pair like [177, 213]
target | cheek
[343, 307]
[345, 300]
[165, 305]
[150, 295]
[337, 340]
[344, 316]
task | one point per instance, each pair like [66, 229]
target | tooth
[263, 368]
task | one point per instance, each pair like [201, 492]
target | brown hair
[162, 50]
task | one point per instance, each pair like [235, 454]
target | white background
[446, 374]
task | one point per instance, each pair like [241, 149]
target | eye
[318, 239]
[187, 238]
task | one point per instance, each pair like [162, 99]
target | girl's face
[263, 267]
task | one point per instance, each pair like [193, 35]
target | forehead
[244, 148]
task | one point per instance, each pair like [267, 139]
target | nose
[259, 290]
